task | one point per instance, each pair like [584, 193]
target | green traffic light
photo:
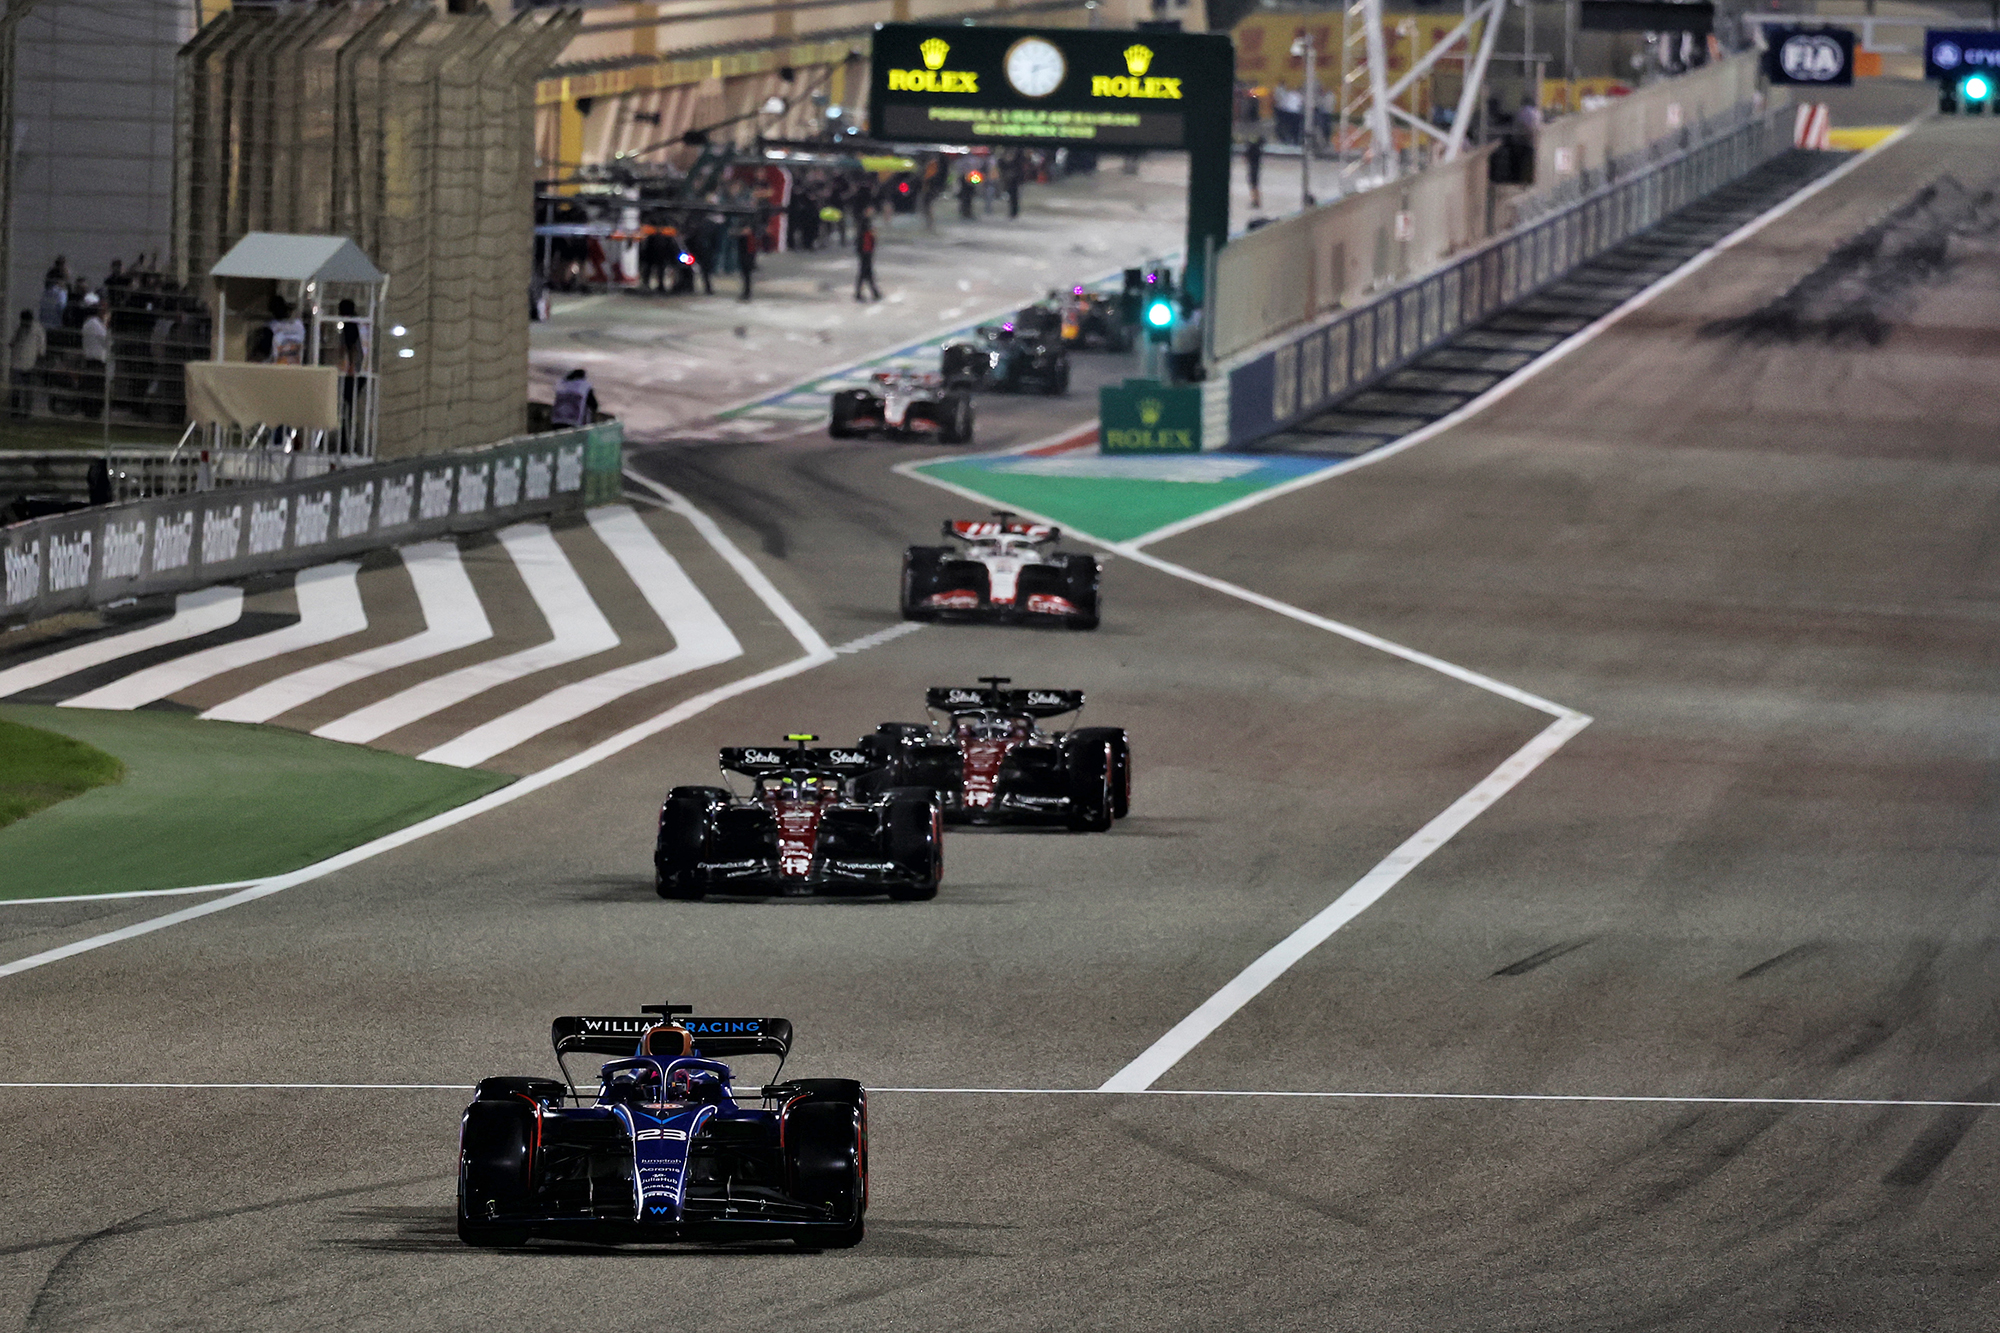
[1160, 314]
[1977, 87]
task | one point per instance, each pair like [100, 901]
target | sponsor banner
[175, 543]
[1821, 57]
[1952, 53]
[1148, 417]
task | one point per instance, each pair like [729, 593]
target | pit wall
[1591, 141]
[1339, 254]
[1301, 373]
[73, 562]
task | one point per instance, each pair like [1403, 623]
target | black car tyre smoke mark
[1855, 294]
[1540, 958]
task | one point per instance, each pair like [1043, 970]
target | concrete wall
[1656, 114]
[409, 129]
[92, 101]
[1338, 254]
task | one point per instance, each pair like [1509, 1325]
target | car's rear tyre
[1057, 383]
[954, 417]
[1080, 575]
[1120, 749]
[1091, 797]
[920, 580]
[495, 1162]
[846, 406]
[916, 843]
[684, 819]
[824, 1128]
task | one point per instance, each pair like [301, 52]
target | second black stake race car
[992, 762]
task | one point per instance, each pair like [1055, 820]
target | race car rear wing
[716, 1038]
[975, 529]
[1034, 703]
[758, 761]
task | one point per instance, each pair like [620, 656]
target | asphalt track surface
[1765, 871]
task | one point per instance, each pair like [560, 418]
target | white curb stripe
[578, 629]
[195, 614]
[453, 619]
[329, 608]
[701, 639]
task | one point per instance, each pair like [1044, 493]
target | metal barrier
[1310, 371]
[176, 543]
[140, 472]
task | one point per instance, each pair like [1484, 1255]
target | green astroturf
[211, 802]
[1114, 509]
[39, 768]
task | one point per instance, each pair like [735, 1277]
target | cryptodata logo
[933, 77]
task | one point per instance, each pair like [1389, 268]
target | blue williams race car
[667, 1148]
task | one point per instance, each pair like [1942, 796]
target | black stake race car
[904, 404]
[991, 762]
[1009, 360]
[665, 1149]
[815, 820]
[1001, 570]
[1092, 319]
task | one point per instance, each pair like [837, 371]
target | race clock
[1035, 66]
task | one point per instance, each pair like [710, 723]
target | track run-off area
[1559, 889]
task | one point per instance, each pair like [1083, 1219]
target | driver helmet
[694, 1085]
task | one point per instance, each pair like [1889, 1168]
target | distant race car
[1091, 319]
[810, 823]
[1008, 359]
[665, 1149]
[1001, 570]
[907, 404]
[991, 762]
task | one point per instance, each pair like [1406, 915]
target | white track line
[817, 654]
[701, 639]
[129, 893]
[1636, 1099]
[329, 608]
[578, 629]
[453, 619]
[195, 613]
[1582, 337]
[801, 629]
[1218, 1008]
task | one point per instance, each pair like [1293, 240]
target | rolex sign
[1148, 417]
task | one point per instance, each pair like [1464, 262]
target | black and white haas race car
[992, 763]
[905, 404]
[1002, 570]
[810, 823]
[665, 1148]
